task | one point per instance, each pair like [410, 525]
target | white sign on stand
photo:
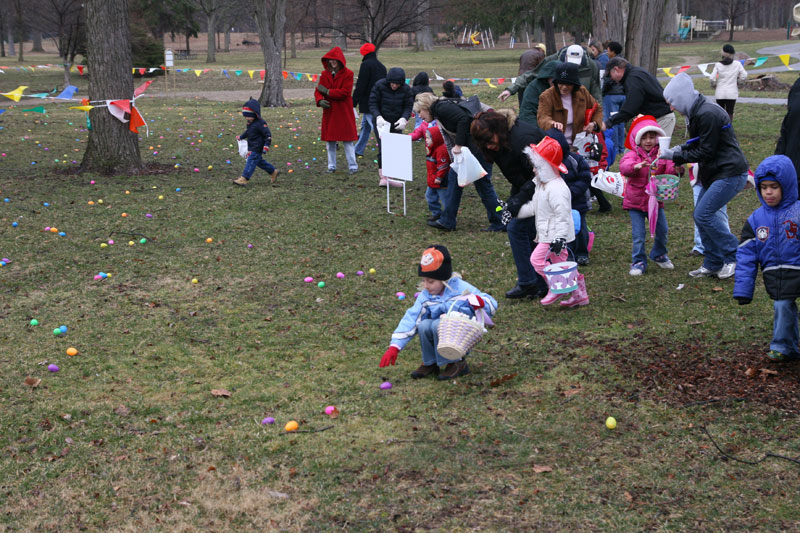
[396, 162]
[169, 60]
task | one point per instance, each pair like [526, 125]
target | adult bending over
[502, 137]
[723, 172]
[564, 105]
[390, 102]
[643, 95]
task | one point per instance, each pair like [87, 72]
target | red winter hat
[641, 125]
[551, 152]
[367, 48]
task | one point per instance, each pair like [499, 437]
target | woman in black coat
[390, 102]
[502, 137]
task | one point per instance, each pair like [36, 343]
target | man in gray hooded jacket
[723, 172]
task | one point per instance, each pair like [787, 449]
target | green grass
[128, 437]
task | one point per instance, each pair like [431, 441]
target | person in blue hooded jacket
[771, 239]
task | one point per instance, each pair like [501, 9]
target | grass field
[128, 436]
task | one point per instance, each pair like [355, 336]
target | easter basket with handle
[459, 333]
[666, 187]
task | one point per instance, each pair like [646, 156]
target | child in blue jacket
[771, 239]
[259, 138]
[440, 288]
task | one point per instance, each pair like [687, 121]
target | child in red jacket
[438, 163]
[642, 142]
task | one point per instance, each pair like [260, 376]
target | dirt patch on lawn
[693, 373]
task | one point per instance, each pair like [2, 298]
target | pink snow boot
[579, 296]
[550, 298]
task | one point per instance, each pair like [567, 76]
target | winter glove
[475, 301]
[524, 195]
[669, 153]
[743, 300]
[380, 122]
[322, 89]
[325, 104]
[401, 123]
[503, 95]
[505, 214]
[265, 149]
[390, 357]
[557, 245]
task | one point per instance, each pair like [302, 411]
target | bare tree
[19, 20]
[643, 33]
[608, 20]
[64, 21]
[425, 33]
[734, 10]
[112, 147]
[212, 10]
[271, 22]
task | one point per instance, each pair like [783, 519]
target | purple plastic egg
[53, 368]
[386, 385]
[268, 421]
[360, 273]
[340, 275]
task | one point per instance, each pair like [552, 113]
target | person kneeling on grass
[258, 139]
[770, 239]
[440, 286]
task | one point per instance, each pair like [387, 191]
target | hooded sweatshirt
[636, 182]
[421, 84]
[257, 133]
[437, 160]
[529, 107]
[551, 203]
[770, 237]
[712, 140]
[338, 121]
[389, 103]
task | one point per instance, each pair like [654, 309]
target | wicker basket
[458, 334]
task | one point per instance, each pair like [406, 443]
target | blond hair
[424, 101]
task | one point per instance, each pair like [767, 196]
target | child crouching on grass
[438, 165]
[258, 138]
[642, 144]
[771, 239]
[440, 286]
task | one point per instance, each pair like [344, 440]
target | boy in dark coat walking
[370, 71]
[258, 138]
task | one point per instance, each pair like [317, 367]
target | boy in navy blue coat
[771, 239]
[258, 139]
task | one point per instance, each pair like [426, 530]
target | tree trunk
[608, 20]
[645, 19]
[211, 54]
[11, 51]
[228, 38]
[293, 40]
[339, 38]
[187, 43]
[669, 27]
[549, 34]
[20, 31]
[37, 42]
[316, 25]
[67, 74]
[112, 147]
[271, 20]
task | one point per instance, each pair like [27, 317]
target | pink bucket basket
[458, 333]
[666, 187]
[562, 277]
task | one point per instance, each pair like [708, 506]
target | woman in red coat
[333, 95]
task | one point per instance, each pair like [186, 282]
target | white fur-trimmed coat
[551, 204]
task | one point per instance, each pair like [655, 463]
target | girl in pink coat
[642, 142]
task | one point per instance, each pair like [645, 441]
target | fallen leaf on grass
[499, 381]
[221, 392]
[717, 289]
[572, 392]
[211, 468]
[628, 497]
[750, 372]
[122, 411]
[334, 413]
[279, 495]
[768, 371]
[32, 382]
[539, 469]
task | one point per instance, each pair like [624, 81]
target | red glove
[248, 153]
[475, 301]
[265, 149]
[390, 357]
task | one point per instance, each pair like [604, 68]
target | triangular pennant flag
[80, 69]
[198, 72]
[67, 93]
[760, 61]
[284, 74]
[514, 79]
[225, 72]
[489, 83]
[250, 72]
[205, 70]
[142, 71]
[37, 95]
[136, 120]
[501, 81]
[2, 111]
[238, 72]
[742, 61]
[703, 67]
[263, 72]
[86, 108]
[142, 88]
[436, 75]
[668, 72]
[310, 77]
[684, 68]
[298, 76]
[785, 60]
[152, 69]
[475, 81]
[121, 109]
[16, 94]
[133, 70]
[37, 109]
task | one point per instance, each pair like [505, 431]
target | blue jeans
[698, 242]
[428, 331]
[521, 232]
[485, 191]
[255, 160]
[366, 129]
[612, 103]
[719, 243]
[784, 330]
[639, 233]
[436, 198]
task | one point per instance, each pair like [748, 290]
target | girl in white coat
[726, 76]
[552, 207]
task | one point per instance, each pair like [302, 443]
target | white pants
[349, 154]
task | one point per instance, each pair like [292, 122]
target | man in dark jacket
[643, 95]
[789, 141]
[390, 102]
[723, 172]
[370, 71]
[528, 61]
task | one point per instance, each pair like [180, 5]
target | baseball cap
[574, 53]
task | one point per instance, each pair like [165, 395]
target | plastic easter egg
[142, 240]
[148, 215]
[268, 421]
[127, 192]
[62, 234]
[56, 332]
[131, 243]
[100, 201]
[46, 204]
[308, 279]
[340, 275]
[103, 245]
[321, 284]
[194, 280]
[161, 197]
[53, 368]
[291, 426]
[110, 241]
[63, 329]
[209, 240]
[97, 277]
[91, 182]
[102, 275]
[386, 385]
[14, 224]
[34, 322]
[360, 273]
[401, 296]
[124, 215]
[178, 189]
[330, 409]
[249, 246]
[47, 228]
[53, 230]
[72, 352]
[611, 422]
[372, 270]
[91, 202]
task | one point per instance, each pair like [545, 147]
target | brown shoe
[425, 371]
[274, 176]
[241, 180]
[453, 370]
